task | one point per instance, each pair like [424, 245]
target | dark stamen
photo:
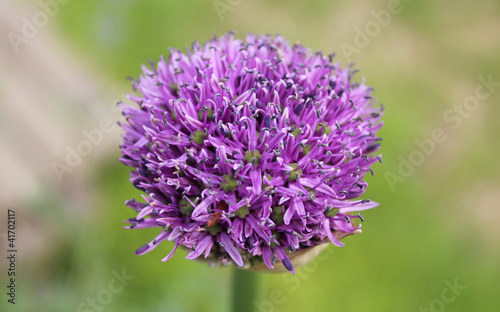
[142, 249]
[267, 122]
[361, 217]
[298, 109]
[288, 265]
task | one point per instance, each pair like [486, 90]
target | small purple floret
[249, 150]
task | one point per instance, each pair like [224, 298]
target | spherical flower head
[249, 150]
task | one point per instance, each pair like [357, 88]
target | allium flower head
[249, 150]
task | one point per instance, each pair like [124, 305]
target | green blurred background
[434, 226]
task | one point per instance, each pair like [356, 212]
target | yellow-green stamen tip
[230, 183]
[201, 114]
[174, 87]
[253, 157]
[323, 128]
[198, 137]
[307, 149]
[185, 207]
[296, 172]
[242, 212]
[214, 229]
[277, 215]
[277, 238]
[333, 212]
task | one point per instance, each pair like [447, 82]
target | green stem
[244, 290]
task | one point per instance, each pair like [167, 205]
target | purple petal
[231, 250]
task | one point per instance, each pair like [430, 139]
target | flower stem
[244, 290]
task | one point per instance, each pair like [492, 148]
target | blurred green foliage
[433, 227]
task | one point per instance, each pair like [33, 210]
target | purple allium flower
[249, 150]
